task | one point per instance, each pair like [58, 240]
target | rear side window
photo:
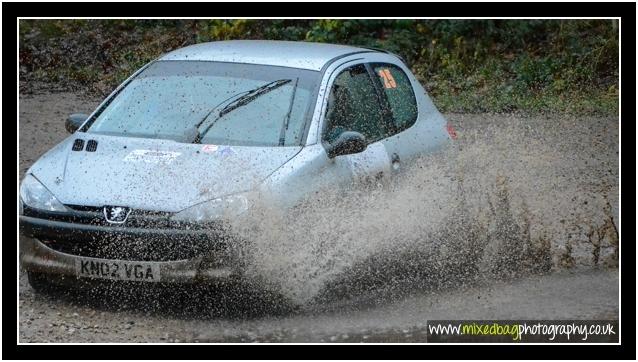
[398, 90]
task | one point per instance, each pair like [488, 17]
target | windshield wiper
[284, 127]
[248, 97]
[201, 121]
[252, 95]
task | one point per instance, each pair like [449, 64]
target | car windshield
[177, 99]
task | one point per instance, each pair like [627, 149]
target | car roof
[295, 54]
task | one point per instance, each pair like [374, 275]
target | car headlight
[35, 195]
[221, 208]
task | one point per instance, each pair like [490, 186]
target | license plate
[117, 270]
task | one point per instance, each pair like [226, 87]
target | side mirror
[75, 121]
[347, 143]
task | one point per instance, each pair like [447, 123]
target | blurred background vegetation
[536, 66]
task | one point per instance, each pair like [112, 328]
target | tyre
[40, 282]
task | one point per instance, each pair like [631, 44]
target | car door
[400, 101]
[418, 128]
[354, 104]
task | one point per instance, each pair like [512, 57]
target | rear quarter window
[398, 90]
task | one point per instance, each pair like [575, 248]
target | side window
[353, 105]
[398, 90]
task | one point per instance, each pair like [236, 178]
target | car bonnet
[152, 174]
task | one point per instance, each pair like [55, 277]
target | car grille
[140, 249]
[159, 243]
[91, 215]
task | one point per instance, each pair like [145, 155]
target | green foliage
[466, 65]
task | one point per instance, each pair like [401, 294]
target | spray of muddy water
[513, 196]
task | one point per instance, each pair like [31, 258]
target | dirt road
[565, 156]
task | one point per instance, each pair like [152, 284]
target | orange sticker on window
[388, 79]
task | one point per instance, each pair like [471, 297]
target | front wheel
[40, 282]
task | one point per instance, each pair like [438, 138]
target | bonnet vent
[91, 145]
[78, 145]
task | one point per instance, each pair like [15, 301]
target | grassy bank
[567, 66]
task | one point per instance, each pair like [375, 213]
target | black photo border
[626, 11]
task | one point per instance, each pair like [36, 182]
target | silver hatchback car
[140, 189]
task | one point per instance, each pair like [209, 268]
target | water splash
[522, 195]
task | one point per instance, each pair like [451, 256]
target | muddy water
[521, 210]
[514, 196]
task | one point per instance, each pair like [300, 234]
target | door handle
[396, 162]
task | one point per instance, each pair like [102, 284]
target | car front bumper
[36, 256]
